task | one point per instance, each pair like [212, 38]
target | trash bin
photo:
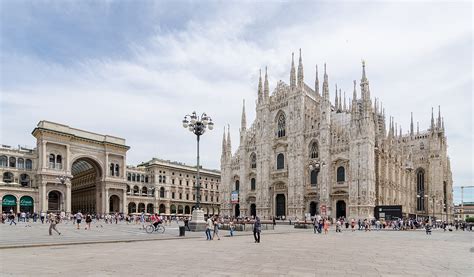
[181, 231]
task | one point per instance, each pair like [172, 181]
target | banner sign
[323, 209]
[26, 201]
[234, 197]
[9, 200]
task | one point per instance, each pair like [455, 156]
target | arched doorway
[173, 209]
[54, 201]
[313, 208]
[280, 205]
[86, 176]
[237, 210]
[26, 204]
[253, 210]
[187, 210]
[180, 209]
[150, 209]
[340, 209]
[132, 208]
[9, 203]
[114, 204]
[162, 209]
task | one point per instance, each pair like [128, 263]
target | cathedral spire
[229, 143]
[266, 89]
[224, 143]
[442, 123]
[439, 117]
[411, 125]
[336, 102]
[432, 120]
[345, 107]
[417, 128]
[340, 101]
[354, 99]
[364, 77]
[243, 122]
[325, 85]
[292, 72]
[300, 72]
[260, 92]
[316, 82]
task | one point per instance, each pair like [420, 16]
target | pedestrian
[231, 228]
[53, 220]
[338, 227]
[142, 220]
[326, 226]
[353, 224]
[186, 223]
[88, 221]
[78, 217]
[12, 219]
[315, 224]
[209, 226]
[216, 228]
[257, 229]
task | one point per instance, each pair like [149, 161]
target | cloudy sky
[133, 69]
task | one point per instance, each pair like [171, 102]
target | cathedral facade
[304, 155]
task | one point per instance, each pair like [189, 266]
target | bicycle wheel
[161, 229]
[149, 229]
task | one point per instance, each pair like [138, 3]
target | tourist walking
[231, 228]
[216, 228]
[88, 221]
[53, 221]
[326, 226]
[338, 227]
[257, 229]
[78, 217]
[209, 227]
[315, 224]
[12, 218]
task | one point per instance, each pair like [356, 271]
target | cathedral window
[341, 174]
[314, 177]
[314, 153]
[252, 184]
[280, 161]
[420, 190]
[281, 131]
[237, 185]
[253, 160]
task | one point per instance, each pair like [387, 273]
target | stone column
[68, 196]
[106, 200]
[44, 155]
[124, 202]
[43, 200]
[68, 159]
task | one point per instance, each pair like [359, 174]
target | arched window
[128, 188]
[129, 177]
[146, 179]
[28, 164]
[7, 177]
[253, 160]
[21, 163]
[112, 167]
[117, 170]
[420, 190]
[341, 174]
[280, 161]
[237, 185]
[152, 192]
[24, 180]
[314, 177]
[252, 184]
[445, 198]
[12, 162]
[314, 151]
[135, 190]
[52, 160]
[3, 161]
[133, 177]
[281, 131]
[159, 179]
[144, 191]
[59, 162]
[162, 192]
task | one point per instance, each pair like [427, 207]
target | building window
[135, 190]
[280, 161]
[8, 177]
[59, 162]
[187, 196]
[313, 153]
[117, 170]
[172, 181]
[341, 174]
[129, 177]
[420, 190]
[24, 180]
[172, 195]
[52, 160]
[164, 179]
[237, 185]
[253, 160]
[21, 163]
[180, 195]
[206, 198]
[146, 179]
[144, 191]
[162, 192]
[133, 177]
[252, 184]
[3, 161]
[112, 167]
[12, 162]
[281, 131]
[180, 182]
[314, 177]
[28, 164]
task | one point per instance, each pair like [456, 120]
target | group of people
[214, 223]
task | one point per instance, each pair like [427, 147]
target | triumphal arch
[93, 164]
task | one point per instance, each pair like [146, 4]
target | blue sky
[134, 68]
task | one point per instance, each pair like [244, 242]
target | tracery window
[280, 161]
[420, 190]
[253, 160]
[281, 131]
[314, 177]
[314, 151]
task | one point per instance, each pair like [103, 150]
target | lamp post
[198, 126]
[63, 179]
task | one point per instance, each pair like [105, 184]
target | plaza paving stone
[285, 251]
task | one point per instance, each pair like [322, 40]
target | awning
[9, 200]
[26, 201]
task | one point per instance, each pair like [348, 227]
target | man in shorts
[78, 219]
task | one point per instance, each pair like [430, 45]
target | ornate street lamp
[198, 126]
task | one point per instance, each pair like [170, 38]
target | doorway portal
[280, 205]
[340, 209]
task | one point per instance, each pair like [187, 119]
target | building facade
[464, 211]
[305, 155]
[98, 180]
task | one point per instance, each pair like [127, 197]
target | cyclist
[156, 220]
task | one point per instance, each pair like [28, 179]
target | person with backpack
[88, 221]
[53, 221]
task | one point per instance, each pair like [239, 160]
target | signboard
[323, 209]
[234, 197]
[9, 200]
[26, 201]
[389, 212]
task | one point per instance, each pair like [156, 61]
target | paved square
[285, 251]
